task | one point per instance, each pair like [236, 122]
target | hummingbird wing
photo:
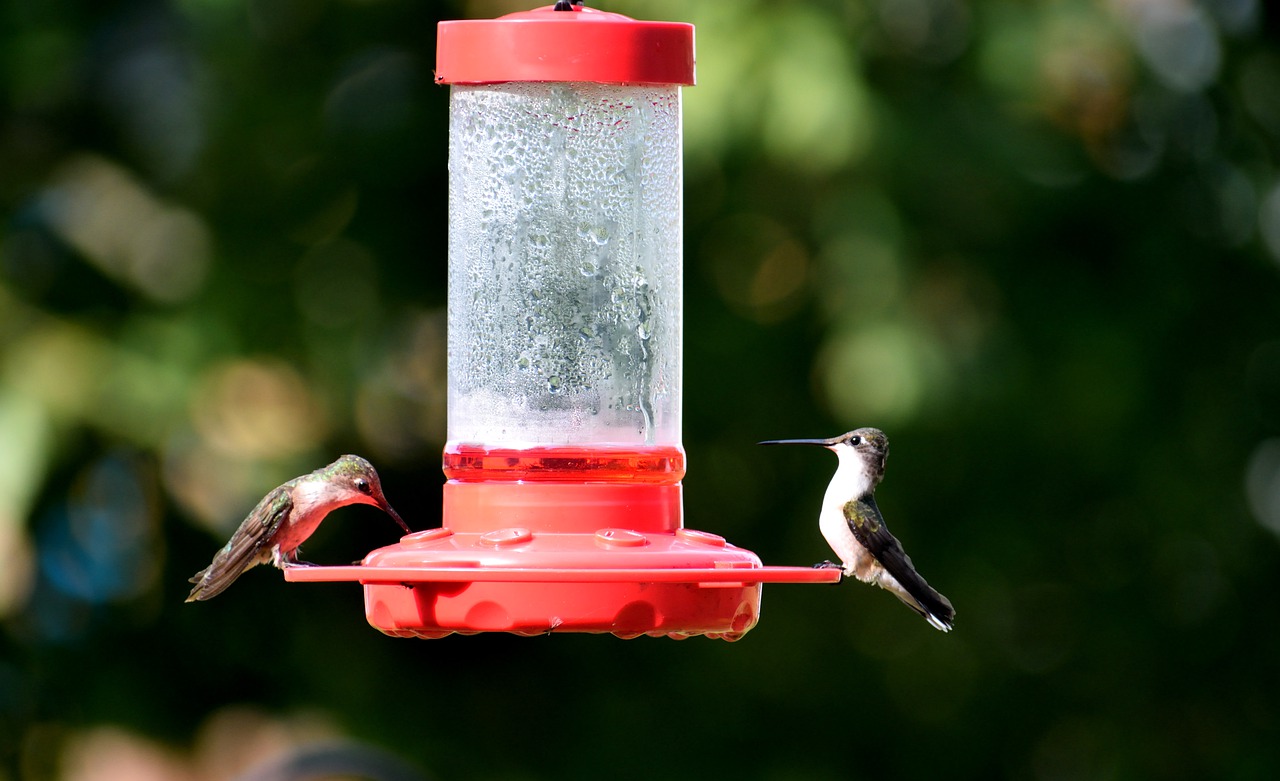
[246, 546]
[868, 527]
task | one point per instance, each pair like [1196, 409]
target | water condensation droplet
[568, 208]
[597, 234]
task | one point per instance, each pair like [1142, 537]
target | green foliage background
[1036, 241]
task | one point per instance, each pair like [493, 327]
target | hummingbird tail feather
[937, 623]
[935, 608]
[914, 592]
[215, 578]
[211, 584]
[198, 579]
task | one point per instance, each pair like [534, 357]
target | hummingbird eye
[855, 441]
[362, 486]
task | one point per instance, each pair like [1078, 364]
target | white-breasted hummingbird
[854, 528]
[286, 517]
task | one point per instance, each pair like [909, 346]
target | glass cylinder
[565, 282]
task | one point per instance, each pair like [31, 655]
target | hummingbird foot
[284, 560]
[831, 565]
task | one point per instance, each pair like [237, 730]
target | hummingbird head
[357, 482]
[867, 446]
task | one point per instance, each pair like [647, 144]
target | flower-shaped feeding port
[562, 510]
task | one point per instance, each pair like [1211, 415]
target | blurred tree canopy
[1036, 241]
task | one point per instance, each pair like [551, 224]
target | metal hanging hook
[566, 5]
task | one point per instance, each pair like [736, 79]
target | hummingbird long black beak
[395, 516]
[819, 442]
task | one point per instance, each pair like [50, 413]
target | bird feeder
[562, 510]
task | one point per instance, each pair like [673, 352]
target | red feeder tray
[548, 572]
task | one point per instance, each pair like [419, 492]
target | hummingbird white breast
[852, 480]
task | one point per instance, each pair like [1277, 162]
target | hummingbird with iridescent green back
[852, 524]
[286, 517]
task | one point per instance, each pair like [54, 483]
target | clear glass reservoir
[565, 281]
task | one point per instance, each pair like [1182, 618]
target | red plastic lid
[582, 44]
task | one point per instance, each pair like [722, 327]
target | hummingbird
[852, 524]
[286, 517]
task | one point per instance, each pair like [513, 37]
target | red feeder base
[529, 579]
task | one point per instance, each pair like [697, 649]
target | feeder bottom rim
[427, 574]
